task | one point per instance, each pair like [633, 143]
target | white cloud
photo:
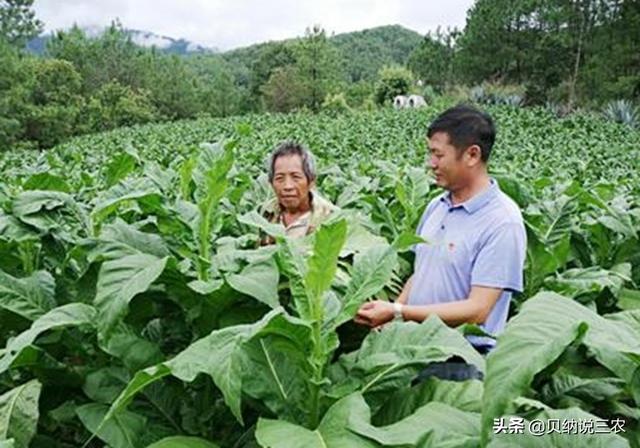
[230, 24]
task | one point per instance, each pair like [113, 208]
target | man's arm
[475, 309]
[404, 295]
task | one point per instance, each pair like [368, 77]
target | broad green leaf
[448, 427]
[30, 202]
[12, 229]
[579, 281]
[46, 181]
[123, 430]
[221, 356]
[73, 314]
[254, 219]
[372, 270]
[105, 384]
[333, 430]
[211, 178]
[463, 395]
[119, 167]
[629, 299]
[321, 267]
[568, 439]
[127, 190]
[279, 374]
[292, 264]
[134, 351]
[30, 297]
[119, 239]
[258, 280]
[19, 414]
[121, 280]
[51, 212]
[589, 389]
[547, 324]
[183, 442]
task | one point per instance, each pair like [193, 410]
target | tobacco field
[137, 308]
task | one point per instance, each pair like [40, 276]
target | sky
[238, 23]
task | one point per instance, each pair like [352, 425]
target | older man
[297, 206]
[474, 257]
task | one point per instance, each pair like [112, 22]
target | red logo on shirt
[452, 247]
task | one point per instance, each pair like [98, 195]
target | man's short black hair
[465, 125]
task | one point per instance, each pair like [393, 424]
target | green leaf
[221, 356]
[579, 281]
[292, 264]
[629, 299]
[463, 395]
[182, 442]
[211, 178]
[127, 190]
[332, 431]
[46, 181]
[30, 202]
[19, 414]
[372, 270]
[105, 384]
[119, 167]
[279, 374]
[559, 439]
[259, 280]
[448, 427]
[123, 430]
[73, 314]
[547, 324]
[134, 351]
[121, 280]
[254, 219]
[30, 297]
[321, 267]
[119, 239]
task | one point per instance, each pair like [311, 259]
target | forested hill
[363, 52]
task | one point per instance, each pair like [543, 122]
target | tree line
[571, 52]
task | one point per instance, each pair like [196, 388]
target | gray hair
[293, 148]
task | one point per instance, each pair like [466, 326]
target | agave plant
[622, 111]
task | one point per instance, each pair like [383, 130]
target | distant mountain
[363, 52]
[142, 38]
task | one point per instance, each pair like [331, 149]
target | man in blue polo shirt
[476, 240]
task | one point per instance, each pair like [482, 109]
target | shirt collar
[476, 202]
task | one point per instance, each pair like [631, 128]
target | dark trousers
[454, 369]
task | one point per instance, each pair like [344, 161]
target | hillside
[363, 52]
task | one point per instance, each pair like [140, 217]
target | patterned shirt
[303, 225]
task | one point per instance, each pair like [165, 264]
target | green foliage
[133, 289]
[284, 91]
[392, 81]
[432, 60]
[317, 63]
[18, 22]
[336, 103]
[115, 105]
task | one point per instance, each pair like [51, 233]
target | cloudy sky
[236, 23]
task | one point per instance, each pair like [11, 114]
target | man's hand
[374, 314]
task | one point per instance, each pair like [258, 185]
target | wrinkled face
[290, 183]
[450, 166]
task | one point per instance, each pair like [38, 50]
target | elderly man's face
[290, 183]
